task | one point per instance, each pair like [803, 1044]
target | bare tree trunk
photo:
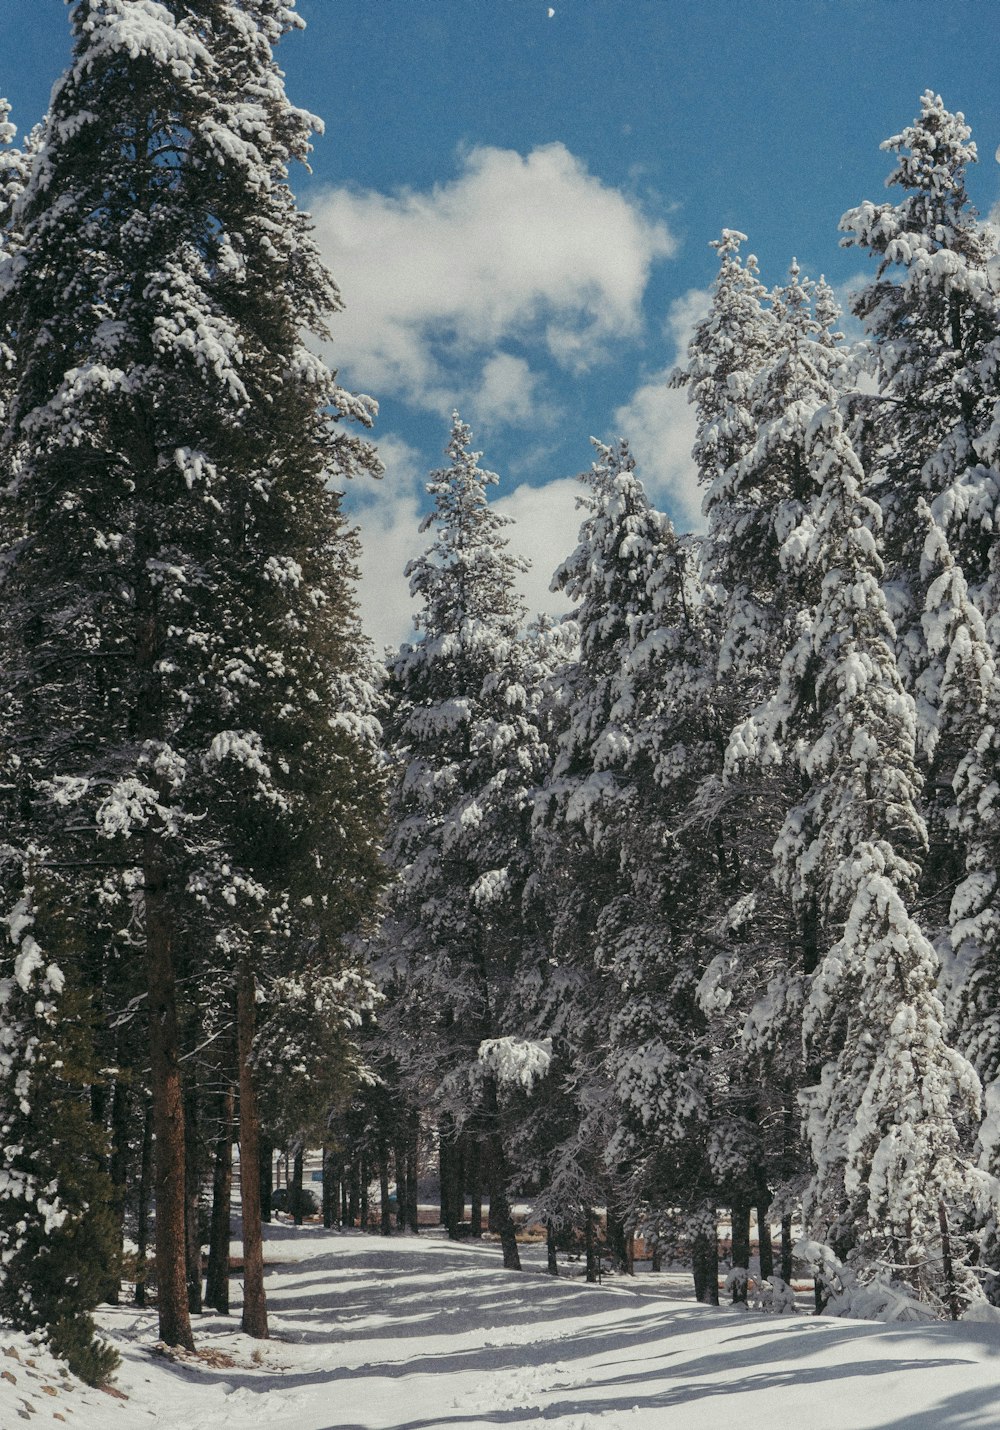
[142, 1209]
[402, 1191]
[552, 1263]
[590, 1245]
[383, 1187]
[412, 1162]
[476, 1186]
[192, 1195]
[496, 1178]
[217, 1279]
[706, 1261]
[120, 1128]
[266, 1177]
[359, 1183]
[254, 1319]
[329, 1187]
[786, 1249]
[951, 1288]
[741, 1251]
[295, 1186]
[168, 1104]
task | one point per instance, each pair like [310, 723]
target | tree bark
[741, 1251]
[266, 1177]
[295, 1187]
[476, 1187]
[412, 1163]
[590, 1245]
[552, 1263]
[495, 1170]
[254, 1319]
[120, 1128]
[168, 1103]
[706, 1266]
[786, 1249]
[192, 1196]
[142, 1208]
[359, 1184]
[329, 1188]
[383, 1187]
[217, 1279]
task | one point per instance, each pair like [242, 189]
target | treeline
[696, 899]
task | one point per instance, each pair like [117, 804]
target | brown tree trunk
[143, 1199]
[254, 1319]
[168, 1104]
[217, 1279]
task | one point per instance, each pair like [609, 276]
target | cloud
[387, 514]
[516, 249]
[659, 423]
[546, 526]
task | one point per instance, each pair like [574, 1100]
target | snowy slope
[417, 1334]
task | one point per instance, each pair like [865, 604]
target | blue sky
[518, 206]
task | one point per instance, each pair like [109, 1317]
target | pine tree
[467, 748]
[190, 727]
[889, 1114]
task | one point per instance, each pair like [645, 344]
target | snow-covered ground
[419, 1334]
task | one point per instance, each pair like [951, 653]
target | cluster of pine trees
[695, 896]
[190, 781]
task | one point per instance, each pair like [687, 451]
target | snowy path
[417, 1334]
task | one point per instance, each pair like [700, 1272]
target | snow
[412, 1333]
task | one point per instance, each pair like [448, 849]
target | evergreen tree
[189, 716]
[469, 754]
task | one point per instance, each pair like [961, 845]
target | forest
[681, 911]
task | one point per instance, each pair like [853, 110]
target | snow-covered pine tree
[932, 316]
[889, 1117]
[469, 754]
[192, 734]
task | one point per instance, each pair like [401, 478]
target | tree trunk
[120, 1129]
[359, 1183]
[168, 1104]
[192, 1195]
[456, 1193]
[590, 1245]
[412, 1163]
[786, 1249]
[741, 1251]
[495, 1170]
[383, 1187]
[217, 1280]
[617, 1242]
[345, 1197]
[143, 1199]
[706, 1265]
[402, 1193]
[951, 1287]
[295, 1186]
[476, 1187]
[266, 1177]
[329, 1188]
[764, 1241]
[254, 1319]
[552, 1265]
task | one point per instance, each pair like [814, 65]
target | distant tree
[468, 754]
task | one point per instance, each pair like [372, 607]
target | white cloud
[387, 514]
[659, 423]
[546, 526]
[514, 249]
